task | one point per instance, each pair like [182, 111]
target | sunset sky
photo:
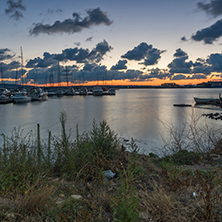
[124, 42]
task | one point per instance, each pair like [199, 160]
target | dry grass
[37, 199]
[161, 205]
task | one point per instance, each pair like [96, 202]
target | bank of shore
[94, 178]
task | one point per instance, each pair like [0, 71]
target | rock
[10, 216]
[61, 195]
[144, 215]
[75, 196]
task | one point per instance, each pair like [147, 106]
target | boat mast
[16, 77]
[22, 66]
[2, 81]
[59, 76]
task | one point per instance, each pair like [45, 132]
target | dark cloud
[89, 67]
[178, 77]
[15, 9]
[6, 54]
[159, 73]
[201, 66]
[215, 61]
[179, 53]
[179, 64]
[76, 24]
[89, 39]
[197, 76]
[10, 66]
[184, 39]
[213, 8]
[144, 52]
[78, 55]
[99, 51]
[209, 34]
[121, 64]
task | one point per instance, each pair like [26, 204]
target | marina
[21, 95]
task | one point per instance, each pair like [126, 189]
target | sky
[133, 42]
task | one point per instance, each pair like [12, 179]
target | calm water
[137, 113]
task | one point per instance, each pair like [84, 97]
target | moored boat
[37, 94]
[97, 91]
[206, 100]
[5, 99]
[112, 92]
[21, 97]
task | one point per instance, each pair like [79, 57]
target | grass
[39, 178]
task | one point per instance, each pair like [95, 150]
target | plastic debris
[194, 194]
[109, 174]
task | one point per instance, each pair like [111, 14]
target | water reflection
[137, 113]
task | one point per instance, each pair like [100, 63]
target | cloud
[120, 65]
[77, 43]
[10, 66]
[184, 39]
[215, 61]
[14, 9]
[179, 53]
[179, 64]
[197, 76]
[209, 34]
[213, 8]
[99, 51]
[144, 52]
[201, 66]
[73, 25]
[158, 73]
[178, 77]
[6, 54]
[89, 39]
[78, 55]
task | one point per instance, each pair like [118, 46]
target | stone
[10, 216]
[61, 195]
[75, 196]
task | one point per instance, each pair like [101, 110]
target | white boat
[5, 96]
[97, 91]
[206, 100]
[112, 92]
[37, 94]
[21, 97]
[5, 99]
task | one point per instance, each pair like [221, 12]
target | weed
[208, 183]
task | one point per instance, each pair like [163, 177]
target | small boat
[37, 94]
[83, 91]
[112, 92]
[21, 97]
[5, 96]
[69, 92]
[5, 99]
[97, 91]
[206, 100]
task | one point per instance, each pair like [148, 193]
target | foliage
[183, 157]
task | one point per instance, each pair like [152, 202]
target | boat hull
[206, 100]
